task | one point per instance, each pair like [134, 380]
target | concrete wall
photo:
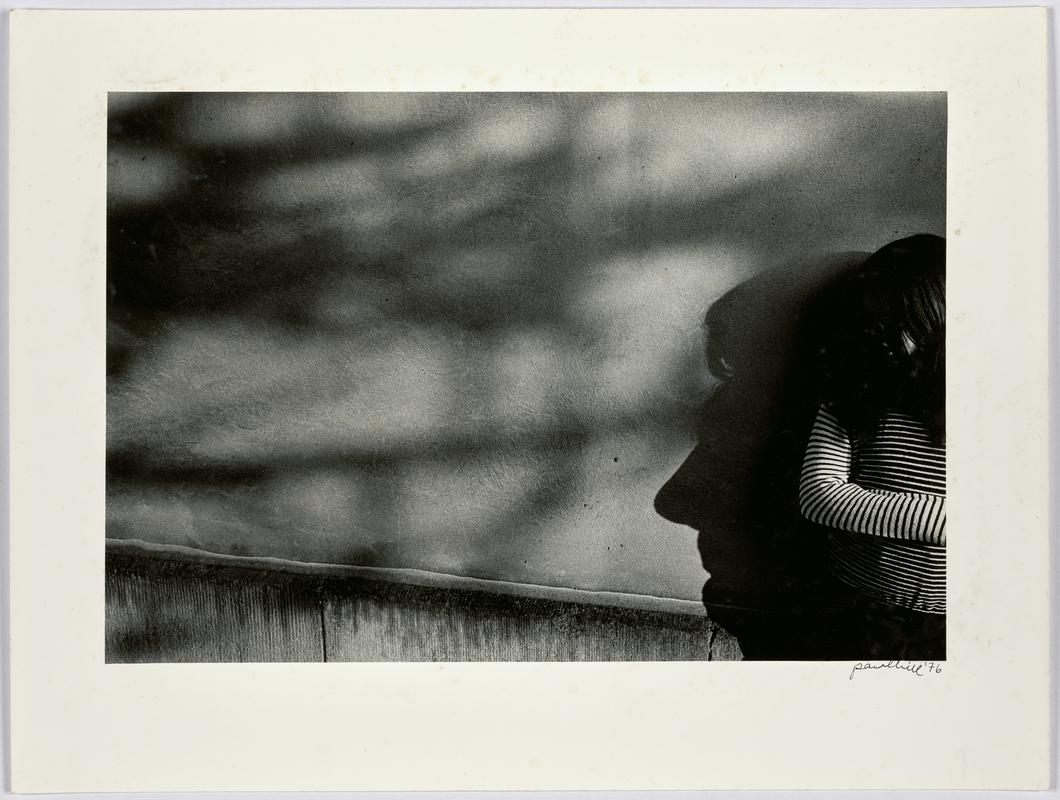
[200, 608]
[463, 333]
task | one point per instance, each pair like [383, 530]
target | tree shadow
[275, 256]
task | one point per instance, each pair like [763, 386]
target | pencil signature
[918, 668]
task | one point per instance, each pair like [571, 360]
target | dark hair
[881, 335]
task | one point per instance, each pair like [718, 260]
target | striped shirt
[886, 503]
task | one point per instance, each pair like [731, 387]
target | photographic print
[525, 376]
[590, 391]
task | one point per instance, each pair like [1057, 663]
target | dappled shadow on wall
[460, 332]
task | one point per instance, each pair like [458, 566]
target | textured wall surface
[464, 333]
[166, 611]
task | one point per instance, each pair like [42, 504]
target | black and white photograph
[531, 400]
[508, 376]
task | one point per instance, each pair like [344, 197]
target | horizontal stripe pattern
[885, 501]
[907, 574]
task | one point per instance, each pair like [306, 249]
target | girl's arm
[827, 497]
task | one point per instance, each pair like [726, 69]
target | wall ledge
[132, 548]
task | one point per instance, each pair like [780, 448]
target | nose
[678, 499]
